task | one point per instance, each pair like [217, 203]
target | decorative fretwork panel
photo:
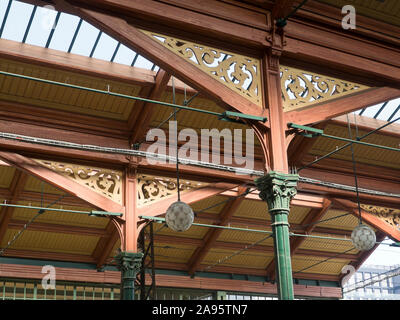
[152, 189]
[390, 216]
[302, 88]
[103, 181]
[240, 73]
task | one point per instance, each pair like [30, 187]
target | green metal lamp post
[129, 263]
[277, 189]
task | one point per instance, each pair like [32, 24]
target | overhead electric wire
[395, 272]
[323, 261]
[355, 172]
[247, 247]
[26, 225]
[348, 144]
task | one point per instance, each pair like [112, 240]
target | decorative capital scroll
[277, 189]
[240, 73]
[390, 216]
[152, 189]
[103, 181]
[129, 262]
[302, 88]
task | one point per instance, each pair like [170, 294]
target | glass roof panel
[384, 111]
[41, 27]
[69, 34]
[17, 20]
[85, 39]
[64, 32]
[124, 55]
[105, 47]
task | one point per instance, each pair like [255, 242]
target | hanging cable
[355, 171]
[26, 225]
[319, 262]
[237, 253]
[176, 138]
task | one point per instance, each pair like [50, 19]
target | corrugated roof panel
[6, 176]
[297, 214]
[195, 232]
[216, 203]
[52, 242]
[308, 264]
[347, 222]
[64, 218]
[247, 237]
[36, 185]
[173, 253]
[66, 99]
[328, 245]
[245, 259]
[253, 209]
[363, 154]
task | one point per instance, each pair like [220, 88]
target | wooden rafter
[212, 235]
[337, 107]
[133, 38]
[105, 245]
[369, 218]
[160, 207]
[57, 228]
[146, 110]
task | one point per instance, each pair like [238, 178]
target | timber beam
[145, 111]
[118, 27]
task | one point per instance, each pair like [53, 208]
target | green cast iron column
[277, 189]
[129, 263]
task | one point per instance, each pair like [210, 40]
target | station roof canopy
[75, 52]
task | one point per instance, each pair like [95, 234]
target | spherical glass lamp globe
[363, 237]
[179, 216]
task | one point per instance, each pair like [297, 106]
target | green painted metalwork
[129, 264]
[90, 213]
[277, 189]
[312, 132]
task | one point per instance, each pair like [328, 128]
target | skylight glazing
[45, 27]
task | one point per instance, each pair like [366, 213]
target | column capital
[129, 261]
[277, 189]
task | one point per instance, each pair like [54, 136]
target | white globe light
[179, 216]
[363, 237]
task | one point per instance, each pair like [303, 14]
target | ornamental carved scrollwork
[302, 88]
[277, 190]
[238, 72]
[390, 216]
[103, 181]
[152, 189]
